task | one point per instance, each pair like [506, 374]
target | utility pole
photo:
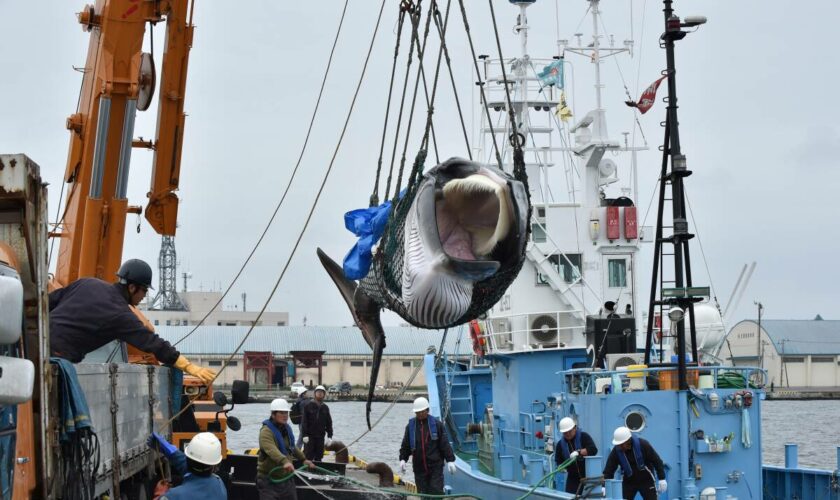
[758, 335]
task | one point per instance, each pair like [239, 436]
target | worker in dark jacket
[316, 423]
[88, 313]
[426, 443]
[635, 455]
[574, 444]
[195, 465]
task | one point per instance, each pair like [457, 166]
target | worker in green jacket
[277, 452]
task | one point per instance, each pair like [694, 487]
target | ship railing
[594, 381]
[516, 332]
[495, 79]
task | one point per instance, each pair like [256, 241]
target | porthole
[635, 421]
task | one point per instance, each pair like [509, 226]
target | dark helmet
[135, 272]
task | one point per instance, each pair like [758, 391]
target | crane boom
[118, 81]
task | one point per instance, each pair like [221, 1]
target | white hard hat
[204, 448]
[421, 404]
[321, 388]
[621, 435]
[567, 424]
[280, 404]
[300, 390]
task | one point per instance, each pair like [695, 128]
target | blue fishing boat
[567, 340]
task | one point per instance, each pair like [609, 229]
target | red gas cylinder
[613, 224]
[631, 230]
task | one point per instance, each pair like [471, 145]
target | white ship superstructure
[585, 225]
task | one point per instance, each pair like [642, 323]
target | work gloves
[305, 439]
[402, 466]
[159, 443]
[327, 441]
[205, 374]
[662, 486]
[450, 466]
[573, 455]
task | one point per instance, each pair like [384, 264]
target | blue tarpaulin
[73, 407]
[368, 224]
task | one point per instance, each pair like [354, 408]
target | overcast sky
[758, 117]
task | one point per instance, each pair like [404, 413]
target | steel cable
[288, 185]
[308, 217]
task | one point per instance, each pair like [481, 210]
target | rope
[624, 84]
[421, 50]
[480, 83]
[414, 37]
[80, 463]
[393, 403]
[700, 243]
[559, 468]
[59, 217]
[376, 489]
[442, 33]
[514, 132]
[309, 215]
[288, 185]
[374, 198]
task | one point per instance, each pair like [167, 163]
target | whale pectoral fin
[345, 286]
[364, 309]
[365, 313]
[378, 347]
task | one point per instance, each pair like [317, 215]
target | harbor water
[810, 424]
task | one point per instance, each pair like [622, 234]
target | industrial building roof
[793, 336]
[333, 340]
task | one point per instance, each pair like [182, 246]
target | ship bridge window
[566, 265]
[635, 421]
[538, 233]
[618, 273]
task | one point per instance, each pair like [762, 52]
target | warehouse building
[795, 353]
[278, 356]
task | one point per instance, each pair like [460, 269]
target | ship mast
[682, 296]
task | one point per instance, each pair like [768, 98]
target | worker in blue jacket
[426, 443]
[635, 456]
[195, 466]
[574, 444]
[88, 313]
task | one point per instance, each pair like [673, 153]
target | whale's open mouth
[473, 215]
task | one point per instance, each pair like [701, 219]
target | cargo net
[383, 282]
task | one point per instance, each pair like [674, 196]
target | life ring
[479, 343]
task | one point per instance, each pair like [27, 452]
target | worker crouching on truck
[88, 313]
[277, 450]
[194, 467]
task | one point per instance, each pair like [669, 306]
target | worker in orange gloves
[88, 313]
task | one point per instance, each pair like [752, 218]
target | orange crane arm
[162, 209]
[118, 82]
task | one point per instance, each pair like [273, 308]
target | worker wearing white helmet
[277, 452]
[635, 456]
[296, 414]
[574, 444]
[426, 443]
[195, 465]
[316, 425]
